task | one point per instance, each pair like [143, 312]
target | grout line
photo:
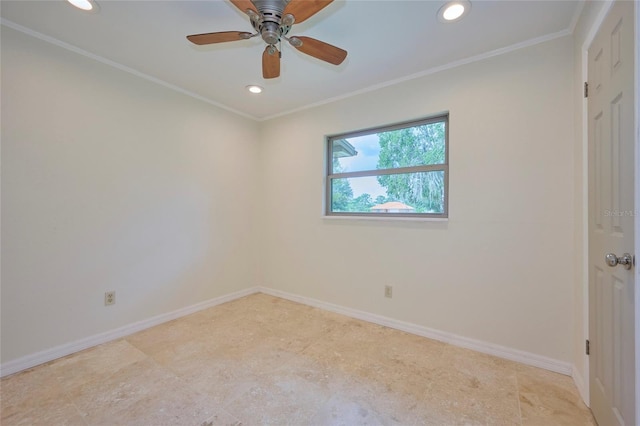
[84, 421]
[65, 394]
[518, 397]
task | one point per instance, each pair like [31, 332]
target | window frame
[444, 167]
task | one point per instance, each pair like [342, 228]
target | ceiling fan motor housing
[270, 25]
[270, 32]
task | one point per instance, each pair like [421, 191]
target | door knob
[625, 260]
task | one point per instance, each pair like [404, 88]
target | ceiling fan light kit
[272, 20]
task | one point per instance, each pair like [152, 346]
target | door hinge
[587, 348]
[586, 89]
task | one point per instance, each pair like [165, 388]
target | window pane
[418, 193]
[412, 146]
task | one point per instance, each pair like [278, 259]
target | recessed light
[86, 5]
[454, 11]
[254, 89]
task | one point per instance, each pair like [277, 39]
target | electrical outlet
[110, 298]
[388, 291]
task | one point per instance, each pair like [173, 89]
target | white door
[611, 218]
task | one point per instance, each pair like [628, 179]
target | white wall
[110, 182]
[501, 269]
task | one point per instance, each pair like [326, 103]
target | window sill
[388, 218]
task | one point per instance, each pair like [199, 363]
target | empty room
[319, 212]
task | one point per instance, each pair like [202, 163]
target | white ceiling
[387, 41]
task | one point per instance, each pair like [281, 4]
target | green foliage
[421, 145]
[342, 195]
[363, 203]
[341, 192]
[411, 147]
[381, 199]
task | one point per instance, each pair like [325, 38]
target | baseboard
[47, 355]
[581, 384]
[464, 342]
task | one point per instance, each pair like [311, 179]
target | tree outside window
[393, 170]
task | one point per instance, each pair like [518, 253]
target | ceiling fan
[272, 19]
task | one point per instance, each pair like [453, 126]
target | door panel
[611, 217]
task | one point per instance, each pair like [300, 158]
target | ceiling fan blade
[270, 63]
[243, 5]
[319, 49]
[220, 37]
[305, 9]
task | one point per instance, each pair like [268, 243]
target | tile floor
[265, 360]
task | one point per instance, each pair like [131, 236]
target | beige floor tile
[221, 379]
[179, 406]
[99, 401]
[222, 418]
[160, 337]
[260, 307]
[341, 411]
[357, 401]
[265, 360]
[35, 397]
[365, 349]
[486, 400]
[46, 413]
[550, 398]
[95, 364]
[289, 400]
[33, 384]
[478, 364]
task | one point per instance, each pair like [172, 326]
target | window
[400, 170]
